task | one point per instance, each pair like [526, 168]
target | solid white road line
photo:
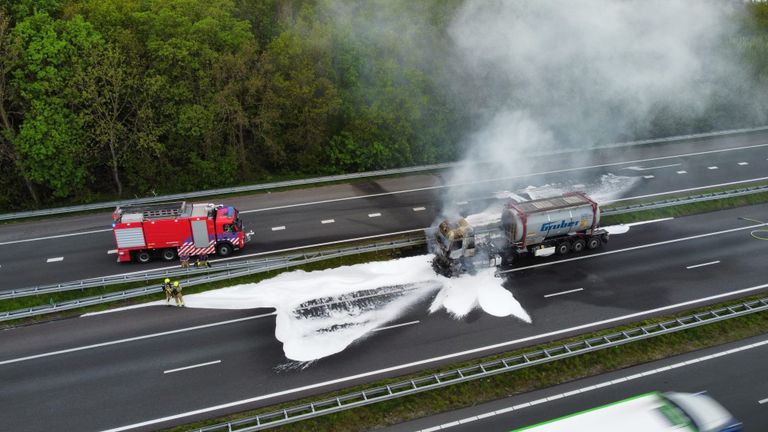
[54, 237]
[57, 259]
[430, 360]
[373, 215]
[702, 265]
[470, 183]
[762, 401]
[712, 168]
[743, 163]
[682, 172]
[192, 367]
[419, 209]
[600, 385]
[684, 190]
[694, 237]
[279, 228]
[397, 325]
[327, 221]
[506, 178]
[648, 221]
[136, 338]
[564, 292]
[111, 251]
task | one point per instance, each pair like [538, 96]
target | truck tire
[169, 254]
[593, 243]
[224, 249]
[142, 257]
[578, 245]
[563, 248]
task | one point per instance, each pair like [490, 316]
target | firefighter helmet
[176, 283]
[167, 280]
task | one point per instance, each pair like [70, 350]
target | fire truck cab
[167, 230]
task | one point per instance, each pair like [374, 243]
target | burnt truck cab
[178, 228]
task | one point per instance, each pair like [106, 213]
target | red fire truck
[171, 229]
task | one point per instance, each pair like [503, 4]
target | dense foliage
[132, 97]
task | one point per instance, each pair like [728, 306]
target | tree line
[122, 98]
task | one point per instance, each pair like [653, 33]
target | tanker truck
[541, 227]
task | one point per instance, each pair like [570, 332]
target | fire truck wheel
[593, 243]
[169, 254]
[142, 257]
[224, 249]
[578, 245]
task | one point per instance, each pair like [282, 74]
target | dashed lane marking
[132, 339]
[280, 228]
[465, 353]
[582, 390]
[327, 221]
[762, 401]
[682, 172]
[564, 292]
[57, 259]
[743, 163]
[416, 209]
[712, 167]
[649, 176]
[702, 265]
[462, 202]
[192, 367]
[111, 251]
[373, 215]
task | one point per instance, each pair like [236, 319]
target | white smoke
[554, 74]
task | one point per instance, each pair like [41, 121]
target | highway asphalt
[738, 380]
[76, 247]
[120, 381]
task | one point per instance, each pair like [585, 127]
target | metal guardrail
[481, 370]
[138, 277]
[329, 179]
[223, 274]
[684, 200]
[266, 262]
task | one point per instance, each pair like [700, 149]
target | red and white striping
[189, 248]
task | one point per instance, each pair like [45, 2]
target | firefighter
[177, 294]
[168, 290]
[184, 258]
[203, 261]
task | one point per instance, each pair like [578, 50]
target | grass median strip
[504, 385]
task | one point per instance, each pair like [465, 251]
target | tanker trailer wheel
[593, 243]
[579, 245]
[169, 254]
[224, 249]
[142, 257]
[563, 248]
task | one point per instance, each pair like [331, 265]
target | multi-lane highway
[734, 374]
[77, 247]
[112, 371]
[151, 367]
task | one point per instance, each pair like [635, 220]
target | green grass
[508, 384]
[686, 209]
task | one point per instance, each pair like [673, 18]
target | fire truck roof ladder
[156, 211]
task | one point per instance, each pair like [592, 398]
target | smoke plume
[550, 74]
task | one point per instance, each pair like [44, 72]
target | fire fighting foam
[321, 313]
